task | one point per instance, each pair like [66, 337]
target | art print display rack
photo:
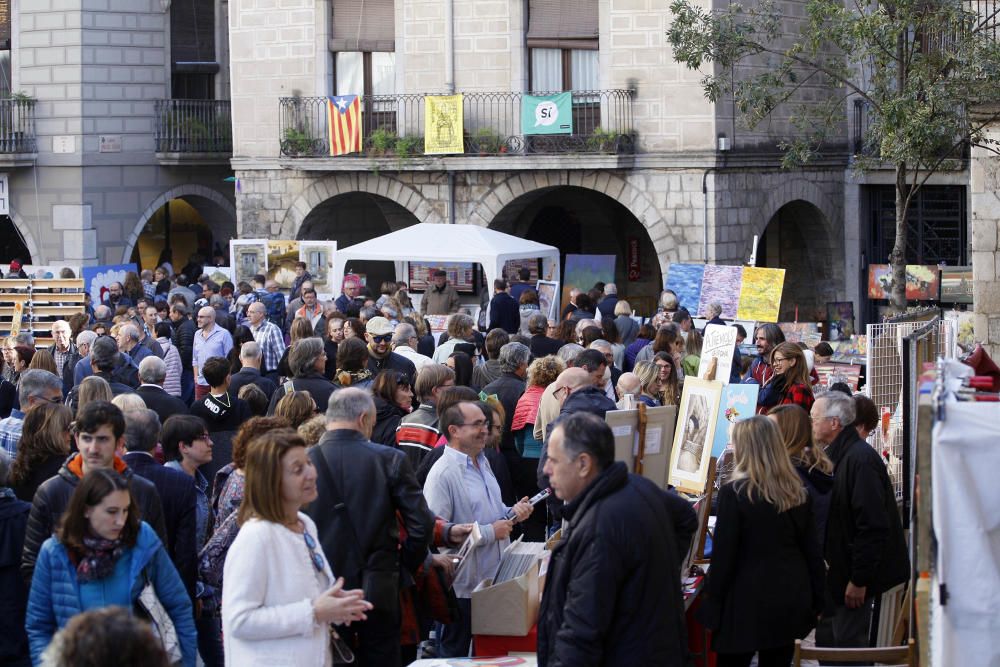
[34, 304]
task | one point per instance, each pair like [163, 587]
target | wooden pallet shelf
[42, 302]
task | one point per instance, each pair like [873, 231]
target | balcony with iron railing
[193, 131]
[866, 146]
[18, 144]
[393, 126]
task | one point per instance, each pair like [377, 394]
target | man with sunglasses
[378, 333]
[461, 488]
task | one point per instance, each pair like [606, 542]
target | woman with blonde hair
[279, 596]
[649, 384]
[811, 463]
[296, 406]
[128, 402]
[790, 383]
[765, 533]
[93, 388]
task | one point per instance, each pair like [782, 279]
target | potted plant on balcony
[21, 110]
[602, 141]
[297, 142]
[409, 146]
[382, 142]
[488, 141]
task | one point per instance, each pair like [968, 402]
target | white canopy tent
[448, 244]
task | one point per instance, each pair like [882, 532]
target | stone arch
[29, 240]
[788, 191]
[502, 199]
[382, 185]
[180, 191]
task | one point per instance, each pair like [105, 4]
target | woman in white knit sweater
[279, 596]
[172, 359]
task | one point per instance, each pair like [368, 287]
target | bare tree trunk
[897, 258]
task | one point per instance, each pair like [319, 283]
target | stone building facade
[677, 197]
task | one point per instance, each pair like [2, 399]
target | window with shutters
[193, 61]
[363, 42]
[562, 44]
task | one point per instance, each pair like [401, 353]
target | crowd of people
[277, 476]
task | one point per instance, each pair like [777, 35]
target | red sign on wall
[634, 263]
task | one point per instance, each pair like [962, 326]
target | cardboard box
[510, 608]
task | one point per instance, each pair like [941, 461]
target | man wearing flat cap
[440, 298]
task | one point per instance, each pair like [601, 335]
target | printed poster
[443, 128]
[685, 281]
[956, 284]
[719, 343]
[760, 295]
[247, 258]
[547, 114]
[721, 284]
[97, 279]
[739, 401]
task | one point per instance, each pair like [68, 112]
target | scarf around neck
[348, 378]
[99, 558]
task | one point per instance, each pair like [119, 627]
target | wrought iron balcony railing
[17, 125]
[863, 144]
[193, 126]
[394, 125]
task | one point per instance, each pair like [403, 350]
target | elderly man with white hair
[210, 340]
[606, 308]
[152, 375]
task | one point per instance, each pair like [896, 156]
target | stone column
[985, 185]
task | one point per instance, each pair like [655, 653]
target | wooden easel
[642, 439]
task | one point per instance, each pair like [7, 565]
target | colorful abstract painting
[582, 271]
[685, 281]
[721, 284]
[956, 284]
[801, 332]
[760, 294]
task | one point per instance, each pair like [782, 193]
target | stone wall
[668, 204]
[985, 201]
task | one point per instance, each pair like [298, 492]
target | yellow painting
[281, 259]
[760, 294]
[443, 130]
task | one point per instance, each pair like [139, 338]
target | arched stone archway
[582, 221]
[29, 240]
[798, 238]
[190, 190]
[503, 200]
[380, 185]
[789, 191]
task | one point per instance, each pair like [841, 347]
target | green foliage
[297, 142]
[487, 141]
[382, 141]
[601, 141]
[408, 146]
[917, 65]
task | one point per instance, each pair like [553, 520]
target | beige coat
[444, 302]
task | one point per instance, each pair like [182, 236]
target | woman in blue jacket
[103, 555]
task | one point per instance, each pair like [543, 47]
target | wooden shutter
[363, 26]
[192, 31]
[562, 24]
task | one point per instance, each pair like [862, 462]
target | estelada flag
[343, 115]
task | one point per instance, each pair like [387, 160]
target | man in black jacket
[503, 309]
[105, 362]
[251, 357]
[378, 333]
[152, 374]
[541, 345]
[100, 432]
[76, 353]
[177, 493]
[183, 340]
[514, 359]
[612, 593]
[362, 486]
[865, 549]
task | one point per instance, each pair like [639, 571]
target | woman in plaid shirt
[790, 383]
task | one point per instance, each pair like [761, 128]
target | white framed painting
[247, 258]
[696, 420]
[548, 298]
[318, 256]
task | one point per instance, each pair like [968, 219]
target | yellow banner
[760, 295]
[443, 124]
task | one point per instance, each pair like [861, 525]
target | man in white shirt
[404, 343]
[461, 488]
